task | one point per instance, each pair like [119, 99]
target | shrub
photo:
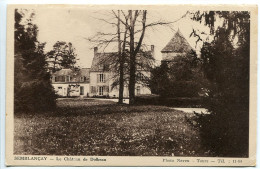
[35, 96]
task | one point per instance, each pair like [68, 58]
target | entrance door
[60, 91]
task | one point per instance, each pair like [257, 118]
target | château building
[99, 80]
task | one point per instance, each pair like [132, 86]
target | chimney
[152, 50]
[95, 50]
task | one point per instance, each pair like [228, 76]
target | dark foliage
[226, 65]
[62, 56]
[32, 87]
[181, 77]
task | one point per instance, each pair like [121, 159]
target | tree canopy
[62, 56]
[32, 88]
[181, 77]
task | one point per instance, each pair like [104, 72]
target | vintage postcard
[131, 85]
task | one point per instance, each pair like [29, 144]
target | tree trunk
[134, 50]
[132, 61]
[121, 64]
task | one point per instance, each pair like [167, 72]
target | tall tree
[32, 88]
[181, 77]
[62, 56]
[226, 65]
[69, 58]
[136, 36]
[121, 63]
[134, 50]
[132, 44]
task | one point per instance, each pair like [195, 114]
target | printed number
[237, 161]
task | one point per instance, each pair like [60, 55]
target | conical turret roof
[178, 44]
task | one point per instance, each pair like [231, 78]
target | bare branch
[124, 23]
[106, 21]
[143, 32]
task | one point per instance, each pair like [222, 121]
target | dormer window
[101, 67]
[82, 78]
[67, 78]
[59, 79]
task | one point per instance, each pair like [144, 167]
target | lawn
[94, 127]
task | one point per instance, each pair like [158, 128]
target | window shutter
[94, 89]
[104, 78]
[97, 78]
[107, 89]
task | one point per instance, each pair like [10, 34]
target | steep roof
[63, 72]
[74, 74]
[85, 72]
[104, 59]
[178, 44]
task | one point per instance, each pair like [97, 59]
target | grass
[94, 127]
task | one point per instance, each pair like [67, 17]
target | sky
[76, 25]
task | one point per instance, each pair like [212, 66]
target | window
[101, 90]
[82, 79]
[59, 87]
[67, 78]
[101, 78]
[81, 90]
[107, 67]
[138, 89]
[100, 67]
[60, 79]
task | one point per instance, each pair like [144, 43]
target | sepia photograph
[90, 83]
